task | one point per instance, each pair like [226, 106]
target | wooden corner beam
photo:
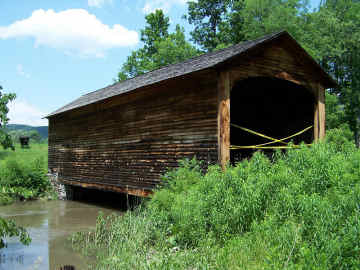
[319, 113]
[223, 118]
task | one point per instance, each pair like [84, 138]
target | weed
[23, 174]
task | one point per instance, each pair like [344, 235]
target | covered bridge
[125, 136]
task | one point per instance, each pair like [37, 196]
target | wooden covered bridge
[123, 137]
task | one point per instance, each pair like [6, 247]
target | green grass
[25, 154]
[23, 173]
[299, 210]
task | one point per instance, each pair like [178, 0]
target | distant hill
[43, 130]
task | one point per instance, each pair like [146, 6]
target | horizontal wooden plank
[132, 191]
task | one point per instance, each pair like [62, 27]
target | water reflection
[49, 224]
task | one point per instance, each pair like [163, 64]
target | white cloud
[21, 112]
[21, 72]
[98, 3]
[165, 5]
[74, 31]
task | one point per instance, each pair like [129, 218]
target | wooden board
[316, 120]
[223, 117]
[321, 107]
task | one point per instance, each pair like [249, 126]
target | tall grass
[23, 173]
[36, 150]
[299, 210]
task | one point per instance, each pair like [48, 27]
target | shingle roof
[201, 62]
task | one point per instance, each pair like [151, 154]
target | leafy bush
[23, 180]
[300, 210]
[340, 137]
[5, 197]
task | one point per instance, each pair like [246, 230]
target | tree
[336, 36]
[335, 114]
[160, 48]
[335, 117]
[173, 49]
[34, 135]
[5, 139]
[267, 16]
[210, 19]
[157, 29]
[219, 23]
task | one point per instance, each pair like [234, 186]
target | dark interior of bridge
[107, 199]
[270, 106]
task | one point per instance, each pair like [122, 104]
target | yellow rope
[261, 146]
[234, 147]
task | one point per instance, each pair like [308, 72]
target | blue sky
[54, 51]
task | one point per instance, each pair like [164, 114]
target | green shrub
[341, 138]
[5, 198]
[23, 180]
[300, 210]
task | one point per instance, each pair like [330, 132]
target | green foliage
[8, 228]
[210, 21]
[5, 197]
[33, 134]
[5, 139]
[341, 137]
[335, 115]
[157, 28]
[173, 49]
[337, 128]
[337, 33]
[219, 23]
[161, 48]
[23, 174]
[298, 210]
[42, 130]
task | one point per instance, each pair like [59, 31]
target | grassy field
[23, 173]
[24, 154]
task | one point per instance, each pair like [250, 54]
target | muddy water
[49, 224]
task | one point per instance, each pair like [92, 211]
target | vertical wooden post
[321, 112]
[223, 117]
[316, 116]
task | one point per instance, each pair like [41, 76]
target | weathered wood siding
[130, 140]
[278, 62]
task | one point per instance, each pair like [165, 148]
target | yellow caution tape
[261, 146]
[234, 147]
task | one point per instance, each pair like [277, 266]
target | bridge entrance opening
[269, 106]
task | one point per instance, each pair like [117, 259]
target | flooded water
[49, 224]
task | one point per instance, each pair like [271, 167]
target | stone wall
[64, 192]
